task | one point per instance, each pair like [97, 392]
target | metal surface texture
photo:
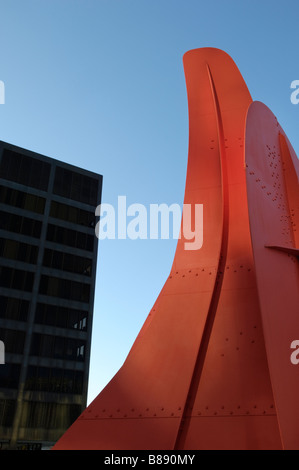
[272, 171]
[201, 373]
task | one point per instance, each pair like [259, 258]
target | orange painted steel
[204, 371]
[272, 170]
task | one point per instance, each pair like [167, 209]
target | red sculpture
[211, 368]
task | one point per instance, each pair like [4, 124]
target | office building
[48, 257]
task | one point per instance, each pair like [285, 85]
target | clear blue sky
[100, 84]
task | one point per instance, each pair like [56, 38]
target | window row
[12, 249]
[46, 415]
[72, 214]
[64, 288]
[9, 375]
[76, 186]
[18, 224]
[46, 314]
[52, 379]
[23, 200]
[67, 262]
[7, 412]
[73, 238]
[13, 309]
[16, 279]
[63, 317]
[13, 339]
[25, 170]
[57, 347]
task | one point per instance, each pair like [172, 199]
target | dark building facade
[48, 257]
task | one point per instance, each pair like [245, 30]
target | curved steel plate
[272, 172]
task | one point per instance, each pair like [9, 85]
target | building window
[64, 288]
[54, 380]
[18, 224]
[9, 375]
[7, 412]
[67, 262]
[48, 415]
[25, 170]
[64, 317]
[73, 238]
[76, 186]
[13, 340]
[29, 202]
[72, 214]
[58, 347]
[12, 249]
[16, 279]
[13, 309]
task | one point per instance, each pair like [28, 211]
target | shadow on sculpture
[210, 368]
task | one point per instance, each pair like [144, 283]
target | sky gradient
[100, 84]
